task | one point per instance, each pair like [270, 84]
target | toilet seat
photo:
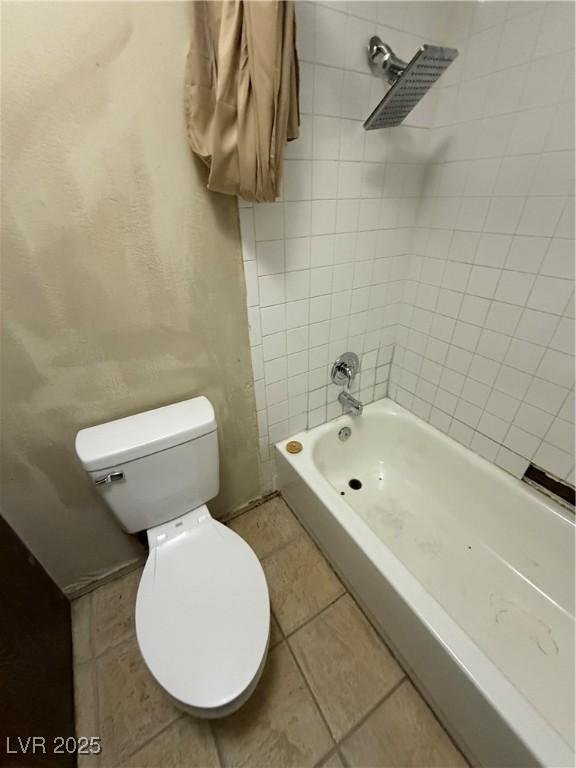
[203, 614]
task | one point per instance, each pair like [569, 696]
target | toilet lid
[203, 615]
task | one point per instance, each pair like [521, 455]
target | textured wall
[122, 279]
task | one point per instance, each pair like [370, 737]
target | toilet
[202, 610]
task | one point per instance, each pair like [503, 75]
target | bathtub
[467, 573]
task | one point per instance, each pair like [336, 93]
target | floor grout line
[327, 756]
[342, 757]
[373, 709]
[282, 546]
[356, 600]
[115, 646]
[284, 641]
[314, 699]
[309, 620]
[219, 755]
[179, 716]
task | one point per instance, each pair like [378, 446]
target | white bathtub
[467, 572]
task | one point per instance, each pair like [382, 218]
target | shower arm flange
[384, 61]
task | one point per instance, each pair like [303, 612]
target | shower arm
[384, 61]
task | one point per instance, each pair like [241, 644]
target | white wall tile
[326, 141]
[545, 395]
[269, 221]
[297, 180]
[328, 84]
[554, 460]
[451, 242]
[330, 27]
[559, 260]
[557, 367]
[324, 179]
[540, 216]
[526, 253]
[270, 257]
[550, 294]
[298, 219]
[514, 287]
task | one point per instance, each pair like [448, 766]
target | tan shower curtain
[242, 93]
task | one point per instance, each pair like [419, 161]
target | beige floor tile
[131, 706]
[188, 743]
[402, 733]
[113, 607]
[334, 761]
[81, 628]
[347, 666]
[279, 726]
[85, 708]
[301, 583]
[275, 632]
[267, 527]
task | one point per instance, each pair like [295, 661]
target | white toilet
[202, 610]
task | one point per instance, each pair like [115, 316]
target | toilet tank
[154, 466]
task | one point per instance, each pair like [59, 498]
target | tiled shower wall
[324, 264]
[485, 346]
[446, 239]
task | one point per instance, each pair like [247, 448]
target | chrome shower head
[410, 81]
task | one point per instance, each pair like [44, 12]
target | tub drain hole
[355, 484]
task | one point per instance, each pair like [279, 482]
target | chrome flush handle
[112, 477]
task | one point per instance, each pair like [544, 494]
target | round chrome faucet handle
[345, 369]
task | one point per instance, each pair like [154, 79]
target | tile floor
[331, 694]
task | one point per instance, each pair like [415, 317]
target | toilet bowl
[202, 608]
[202, 614]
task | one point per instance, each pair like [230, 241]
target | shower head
[410, 82]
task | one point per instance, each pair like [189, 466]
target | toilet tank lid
[133, 437]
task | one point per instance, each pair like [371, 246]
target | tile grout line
[115, 646]
[389, 693]
[341, 756]
[327, 756]
[285, 636]
[180, 716]
[285, 642]
[292, 654]
[310, 619]
[282, 546]
[360, 606]
[371, 711]
[318, 707]
[345, 762]
[219, 754]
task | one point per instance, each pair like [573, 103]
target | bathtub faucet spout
[350, 403]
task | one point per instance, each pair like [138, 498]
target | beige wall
[121, 275]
